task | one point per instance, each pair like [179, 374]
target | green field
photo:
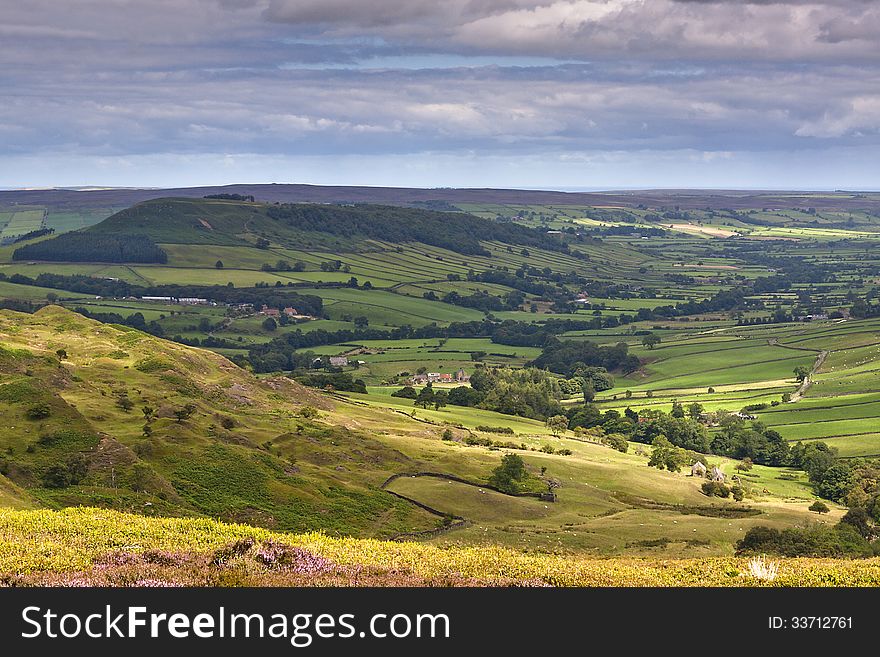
[740, 303]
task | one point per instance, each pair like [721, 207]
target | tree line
[456, 232]
[93, 247]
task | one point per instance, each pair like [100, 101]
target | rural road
[808, 381]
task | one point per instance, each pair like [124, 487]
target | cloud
[696, 79]
[587, 29]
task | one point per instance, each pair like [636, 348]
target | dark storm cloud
[342, 77]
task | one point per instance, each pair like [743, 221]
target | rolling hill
[132, 234]
[103, 415]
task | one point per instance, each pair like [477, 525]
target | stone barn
[698, 470]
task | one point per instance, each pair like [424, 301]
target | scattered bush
[489, 429]
[38, 412]
[616, 441]
[715, 489]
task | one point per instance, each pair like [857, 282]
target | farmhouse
[461, 376]
[338, 361]
[270, 312]
[698, 470]
[437, 377]
[290, 312]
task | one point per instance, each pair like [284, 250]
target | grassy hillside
[215, 441]
[270, 453]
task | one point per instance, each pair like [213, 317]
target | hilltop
[69, 199]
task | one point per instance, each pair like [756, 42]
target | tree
[506, 477]
[836, 482]
[651, 340]
[184, 413]
[123, 402]
[218, 264]
[589, 391]
[425, 397]
[406, 392]
[819, 507]
[667, 456]
[745, 465]
[616, 441]
[269, 324]
[441, 399]
[557, 424]
[61, 353]
[801, 373]
[51, 297]
[677, 409]
[695, 410]
[361, 322]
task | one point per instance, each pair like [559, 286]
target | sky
[551, 94]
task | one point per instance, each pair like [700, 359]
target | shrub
[506, 477]
[715, 489]
[38, 412]
[407, 392]
[745, 465]
[488, 429]
[840, 541]
[616, 441]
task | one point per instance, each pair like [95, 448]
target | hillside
[102, 415]
[132, 234]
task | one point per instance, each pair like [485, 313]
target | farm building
[698, 470]
[434, 377]
[338, 361]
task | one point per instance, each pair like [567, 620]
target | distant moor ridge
[133, 235]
